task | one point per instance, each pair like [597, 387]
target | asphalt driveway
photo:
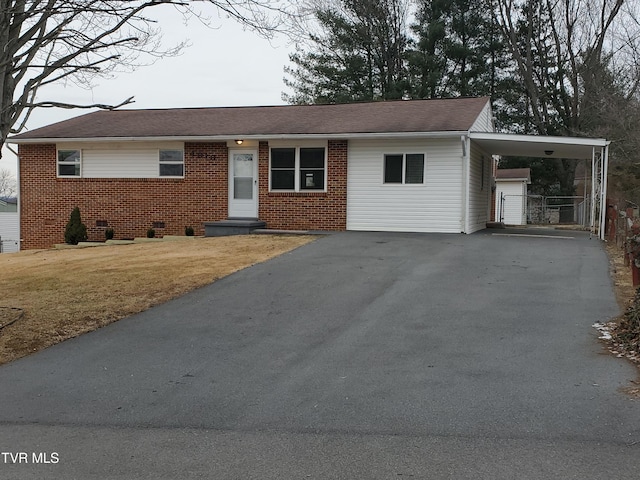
[361, 355]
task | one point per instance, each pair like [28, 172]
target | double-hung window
[69, 163]
[298, 168]
[171, 163]
[404, 168]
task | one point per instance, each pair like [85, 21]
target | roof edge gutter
[586, 141]
[224, 138]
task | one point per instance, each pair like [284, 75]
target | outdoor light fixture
[548, 152]
[239, 142]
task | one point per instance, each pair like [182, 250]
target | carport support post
[603, 189]
[592, 216]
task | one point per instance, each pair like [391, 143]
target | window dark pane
[393, 169]
[283, 158]
[171, 155]
[311, 179]
[69, 170]
[69, 155]
[312, 158]
[282, 179]
[415, 168]
[171, 170]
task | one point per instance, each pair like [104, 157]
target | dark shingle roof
[513, 173]
[439, 115]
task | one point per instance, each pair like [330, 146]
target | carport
[540, 146]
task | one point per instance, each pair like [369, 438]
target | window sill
[315, 193]
[123, 179]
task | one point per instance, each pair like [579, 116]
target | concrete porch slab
[232, 226]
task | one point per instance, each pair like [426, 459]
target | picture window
[298, 168]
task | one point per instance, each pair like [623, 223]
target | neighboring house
[9, 225]
[415, 166]
[511, 195]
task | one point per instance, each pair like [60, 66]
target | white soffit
[540, 146]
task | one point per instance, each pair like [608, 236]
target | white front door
[243, 184]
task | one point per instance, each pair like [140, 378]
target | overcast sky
[226, 66]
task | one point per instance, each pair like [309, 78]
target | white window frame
[59, 163]
[297, 176]
[404, 169]
[170, 162]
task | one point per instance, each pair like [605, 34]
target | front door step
[232, 226]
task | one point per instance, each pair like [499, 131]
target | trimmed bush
[151, 233]
[76, 231]
[188, 231]
[109, 233]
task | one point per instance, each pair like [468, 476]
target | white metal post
[592, 217]
[603, 190]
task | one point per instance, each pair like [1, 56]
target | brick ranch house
[413, 166]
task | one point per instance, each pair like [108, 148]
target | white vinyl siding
[9, 232]
[484, 122]
[122, 160]
[479, 190]
[514, 207]
[434, 206]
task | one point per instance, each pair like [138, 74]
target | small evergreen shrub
[109, 233]
[76, 231]
[151, 233]
[188, 231]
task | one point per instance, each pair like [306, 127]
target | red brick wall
[129, 205]
[307, 210]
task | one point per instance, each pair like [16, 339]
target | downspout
[19, 202]
[466, 175]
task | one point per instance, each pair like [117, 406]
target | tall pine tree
[457, 51]
[359, 54]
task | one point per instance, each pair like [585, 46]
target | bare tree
[8, 185]
[573, 58]
[49, 41]
[564, 51]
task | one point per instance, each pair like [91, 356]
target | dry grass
[621, 275]
[65, 293]
[625, 293]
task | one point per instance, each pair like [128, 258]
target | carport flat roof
[542, 146]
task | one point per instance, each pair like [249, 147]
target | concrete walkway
[361, 355]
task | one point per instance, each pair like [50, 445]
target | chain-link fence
[543, 210]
